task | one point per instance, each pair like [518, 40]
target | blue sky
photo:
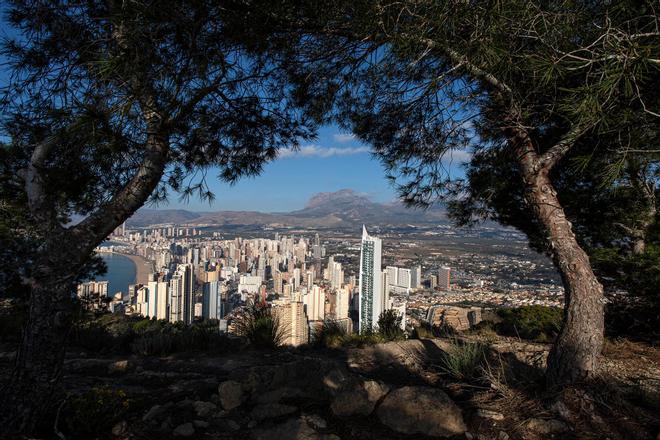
[335, 161]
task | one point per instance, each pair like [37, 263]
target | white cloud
[456, 157]
[318, 151]
[343, 137]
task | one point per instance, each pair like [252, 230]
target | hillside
[344, 208]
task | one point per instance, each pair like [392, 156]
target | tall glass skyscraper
[371, 289]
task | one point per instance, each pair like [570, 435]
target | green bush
[389, 325]
[260, 326]
[95, 412]
[330, 334]
[163, 338]
[423, 331]
[359, 340]
[147, 337]
[427, 331]
[537, 323]
[485, 330]
[465, 360]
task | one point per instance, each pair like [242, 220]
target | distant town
[186, 274]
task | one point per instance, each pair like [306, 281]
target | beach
[143, 268]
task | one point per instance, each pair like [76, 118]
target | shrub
[166, 338]
[330, 334]
[486, 330]
[95, 411]
[154, 344]
[427, 331]
[423, 331]
[260, 326]
[536, 323]
[464, 360]
[389, 325]
[359, 340]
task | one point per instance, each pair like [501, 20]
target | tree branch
[550, 158]
[132, 196]
[34, 183]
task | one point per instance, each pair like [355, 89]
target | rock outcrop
[421, 410]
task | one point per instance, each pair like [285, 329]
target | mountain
[146, 217]
[344, 208]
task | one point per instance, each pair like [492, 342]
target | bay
[121, 273]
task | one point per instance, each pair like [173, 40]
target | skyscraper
[444, 277]
[371, 301]
[293, 322]
[182, 301]
[416, 277]
[314, 302]
[211, 300]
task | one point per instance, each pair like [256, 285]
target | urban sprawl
[199, 275]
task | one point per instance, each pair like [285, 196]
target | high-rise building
[93, 293]
[392, 273]
[416, 277]
[293, 321]
[444, 277]
[296, 278]
[314, 302]
[433, 281]
[182, 301]
[212, 306]
[152, 298]
[371, 301]
[341, 303]
[249, 283]
[335, 274]
[404, 278]
[162, 307]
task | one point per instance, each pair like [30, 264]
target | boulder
[204, 409]
[360, 400]
[546, 426]
[315, 421]
[120, 429]
[184, 430]
[292, 429]
[278, 394]
[375, 390]
[156, 412]
[118, 367]
[231, 394]
[233, 425]
[271, 411]
[421, 410]
[337, 380]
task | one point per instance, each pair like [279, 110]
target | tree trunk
[33, 386]
[29, 394]
[574, 356]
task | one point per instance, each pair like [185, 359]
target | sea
[121, 273]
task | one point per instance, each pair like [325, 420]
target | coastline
[143, 268]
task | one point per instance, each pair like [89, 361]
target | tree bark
[574, 356]
[29, 395]
[33, 386]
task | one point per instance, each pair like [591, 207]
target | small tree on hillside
[535, 79]
[110, 104]
[389, 324]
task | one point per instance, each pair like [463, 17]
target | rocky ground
[387, 391]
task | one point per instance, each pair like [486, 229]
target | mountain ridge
[343, 208]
